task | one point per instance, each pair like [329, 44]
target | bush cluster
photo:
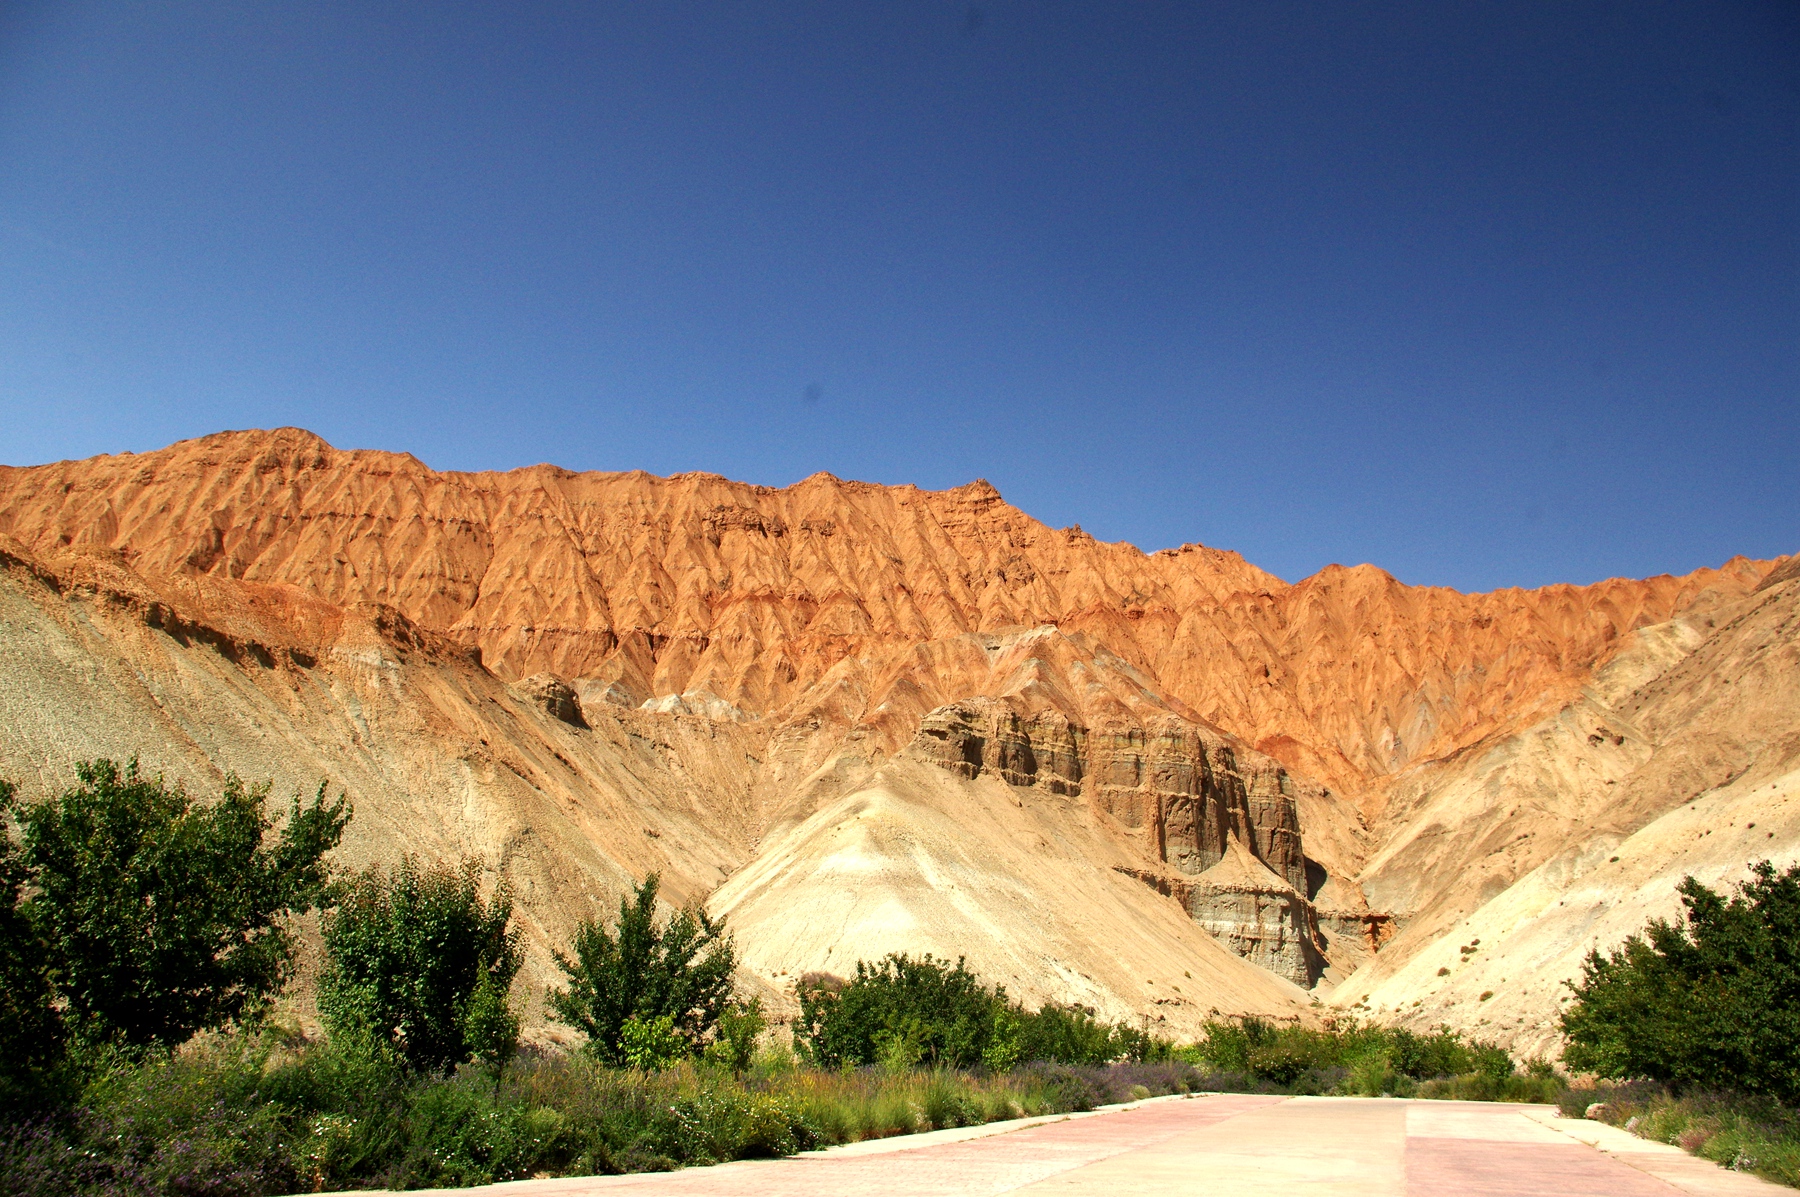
[644, 994]
[419, 960]
[132, 917]
[1347, 1056]
[135, 921]
[1710, 1003]
[1745, 1132]
[901, 1013]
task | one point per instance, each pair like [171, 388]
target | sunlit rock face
[1220, 819]
[1142, 765]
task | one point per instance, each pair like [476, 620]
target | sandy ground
[1229, 1145]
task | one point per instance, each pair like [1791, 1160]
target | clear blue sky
[1487, 293]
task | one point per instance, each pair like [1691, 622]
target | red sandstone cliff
[845, 602]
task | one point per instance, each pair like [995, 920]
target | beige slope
[1017, 880]
[440, 758]
[1710, 743]
[735, 662]
[444, 760]
[1535, 935]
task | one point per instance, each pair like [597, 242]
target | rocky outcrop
[1349, 930]
[1218, 819]
[983, 736]
[554, 696]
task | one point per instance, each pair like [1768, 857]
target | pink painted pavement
[1220, 1146]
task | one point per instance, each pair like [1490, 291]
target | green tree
[163, 916]
[1712, 1002]
[901, 1011]
[491, 1025]
[681, 971]
[31, 1033]
[651, 1045]
[740, 1025]
[418, 960]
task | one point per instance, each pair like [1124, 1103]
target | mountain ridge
[842, 697]
[664, 586]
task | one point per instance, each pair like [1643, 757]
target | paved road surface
[1223, 1146]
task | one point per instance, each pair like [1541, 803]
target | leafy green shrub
[408, 954]
[1061, 1087]
[680, 971]
[1067, 1034]
[162, 916]
[185, 1123]
[900, 1011]
[257, 1115]
[651, 1045]
[1227, 1046]
[1345, 1055]
[1710, 1003]
[1745, 1132]
[740, 1025]
[491, 1025]
[1373, 1074]
[31, 1031]
[1485, 1086]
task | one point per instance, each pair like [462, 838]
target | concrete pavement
[1229, 1145]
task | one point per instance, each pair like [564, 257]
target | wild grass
[250, 1116]
[253, 1115]
[1740, 1131]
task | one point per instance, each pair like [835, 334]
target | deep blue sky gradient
[1486, 293]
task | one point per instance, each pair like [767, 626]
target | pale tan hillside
[861, 718]
[444, 760]
[1023, 882]
[1680, 758]
[441, 758]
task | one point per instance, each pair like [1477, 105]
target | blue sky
[1487, 294]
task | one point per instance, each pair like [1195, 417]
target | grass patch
[255, 1115]
[1744, 1132]
[246, 1117]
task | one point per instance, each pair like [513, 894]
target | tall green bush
[741, 1024]
[418, 960]
[31, 1033]
[681, 970]
[1712, 1002]
[901, 1011]
[162, 916]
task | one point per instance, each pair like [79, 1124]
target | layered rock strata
[583, 677]
[1219, 820]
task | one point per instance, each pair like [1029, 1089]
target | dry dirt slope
[264, 603]
[442, 759]
[1681, 757]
